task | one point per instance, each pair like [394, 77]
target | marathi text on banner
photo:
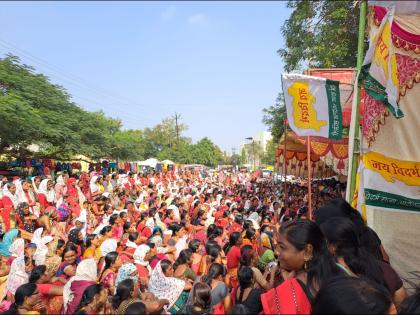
[390, 183]
[313, 106]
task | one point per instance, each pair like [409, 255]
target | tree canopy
[274, 117]
[34, 113]
[320, 34]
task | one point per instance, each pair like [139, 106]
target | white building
[261, 139]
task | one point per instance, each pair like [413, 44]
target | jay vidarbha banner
[388, 183]
[313, 106]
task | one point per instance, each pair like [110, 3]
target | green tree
[162, 142]
[243, 156]
[34, 111]
[207, 153]
[274, 117]
[128, 145]
[320, 34]
[269, 157]
[235, 159]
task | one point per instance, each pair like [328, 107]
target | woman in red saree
[306, 264]
[46, 193]
[72, 194]
[233, 255]
[10, 203]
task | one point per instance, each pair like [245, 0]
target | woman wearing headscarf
[11, 247]
[72, 190]
[24, 219]
[107, 246]
[10, 203]
[36, 180]
[8, 239]
[80, 194]
[25, 194]
[17, 249]
[52, 260]
[86, 274]
[94, 187]
[84, 184]
[141, 256]
[41, 246]
[126, 271]
[20, 276]
[168, 288]
[267, 253]
[60, 189]
[46, 193]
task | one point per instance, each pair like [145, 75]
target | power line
[66, 74]
[74, 83]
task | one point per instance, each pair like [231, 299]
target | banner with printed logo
[313, 106]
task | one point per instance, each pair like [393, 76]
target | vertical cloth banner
[313, 105]
[379, 74]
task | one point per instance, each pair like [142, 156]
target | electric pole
[177, 116]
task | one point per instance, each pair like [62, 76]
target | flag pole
[354, 141]
[308, 153]
[284, 164]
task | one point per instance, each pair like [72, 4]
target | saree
[41, 246]
[23, 220]
[125, 272]
[10, 202]
[72, 194]
[52, 260]
[86, 274]
[169, 288]
[8, 239]
[287, 298]
[17, 269]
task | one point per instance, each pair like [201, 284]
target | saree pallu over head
[8, 239]
[287, 298]
[52, 260]
[19, 275]
[86, 274]
[163, 287]
[125, 272]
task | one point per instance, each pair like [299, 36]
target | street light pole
[253, 150]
